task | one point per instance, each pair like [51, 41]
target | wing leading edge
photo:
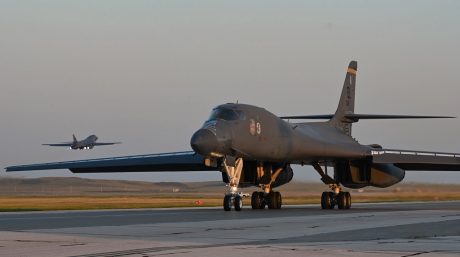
[418, 160]
[177, 161]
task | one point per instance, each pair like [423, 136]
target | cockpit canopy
[220, 113]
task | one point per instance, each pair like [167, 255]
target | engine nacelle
[365, 173]
[284, 177]
[252, 175]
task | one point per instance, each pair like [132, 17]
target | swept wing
[111, 143]
[176, 161]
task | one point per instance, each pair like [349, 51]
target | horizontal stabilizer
[357, 117]
[309, 117]
[417, 160]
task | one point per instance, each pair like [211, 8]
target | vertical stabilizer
[74, 139]
[347, 100]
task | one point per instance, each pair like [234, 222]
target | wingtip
[10, 168]
[445, 117]
[353, 65]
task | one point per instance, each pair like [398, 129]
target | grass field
[84, 194]
[41, 203]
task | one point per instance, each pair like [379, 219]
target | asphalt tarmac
[395, 229]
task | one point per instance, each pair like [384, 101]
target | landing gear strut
[337, 197]
[233, 169]
[267, 197]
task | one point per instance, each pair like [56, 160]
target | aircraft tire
[262, 202]
[257, 200]
[331, 200]
[327, 200]
[342, 200]
[227, 203]
[348, 200]
[278, 200]
[324, 201]
[274, 200]
[238, 203]
[271, 200]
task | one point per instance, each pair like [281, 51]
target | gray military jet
[252, 147]
[87, 143]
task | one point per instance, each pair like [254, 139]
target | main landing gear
[267, 197]
[336, 197]
[330, 199]
[272, 200]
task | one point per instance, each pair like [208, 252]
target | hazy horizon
[148, 73]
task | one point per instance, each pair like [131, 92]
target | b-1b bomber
[251, 146]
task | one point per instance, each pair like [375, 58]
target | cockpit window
[225, 114]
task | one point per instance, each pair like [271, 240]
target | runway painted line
[423, 229]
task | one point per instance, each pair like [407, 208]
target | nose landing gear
[233, 169]
[233, 200]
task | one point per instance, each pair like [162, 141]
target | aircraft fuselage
[254, 133]
[87, 143]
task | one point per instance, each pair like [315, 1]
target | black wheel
[348, 200]
[262, 202]
[278, 200]
[238, 203]
[342, 200]
[331, 200]
[272, 200]
[257, 200]
[325, 201]
[227, 202]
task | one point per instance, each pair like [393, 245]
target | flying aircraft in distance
[87, 143]
[250, 146]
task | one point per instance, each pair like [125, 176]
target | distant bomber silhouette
[87, 143]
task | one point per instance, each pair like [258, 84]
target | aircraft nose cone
[203, 142]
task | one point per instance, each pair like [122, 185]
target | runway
[395, 229]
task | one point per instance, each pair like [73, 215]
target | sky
[148, 73]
